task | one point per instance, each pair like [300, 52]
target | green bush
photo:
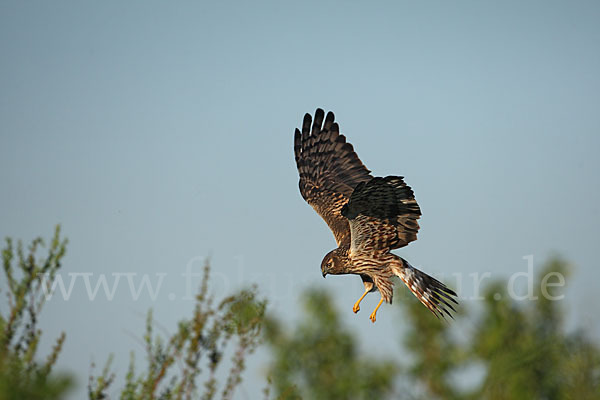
[175, 365]
[22, 375]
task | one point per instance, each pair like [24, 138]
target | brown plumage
[369, 216]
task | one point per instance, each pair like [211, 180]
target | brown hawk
[369, 216]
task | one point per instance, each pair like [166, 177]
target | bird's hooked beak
[324, 274]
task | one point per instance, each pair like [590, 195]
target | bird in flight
[369, 216]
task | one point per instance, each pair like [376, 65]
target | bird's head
[332, 263]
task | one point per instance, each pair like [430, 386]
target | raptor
[369, 216]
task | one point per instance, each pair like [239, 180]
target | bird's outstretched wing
[383, 215]
[329, 170]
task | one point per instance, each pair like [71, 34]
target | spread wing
[383, 215]
[329, 170]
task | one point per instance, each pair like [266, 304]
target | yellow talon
[356, 307]
[374, 313]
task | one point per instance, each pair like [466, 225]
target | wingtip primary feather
[318, 121]
[306, 123]
[329, 120]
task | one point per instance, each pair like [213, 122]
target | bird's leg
[356, 307]
[372, 316]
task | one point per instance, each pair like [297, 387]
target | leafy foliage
[176, 363]
[319, 358]
[22, 376]
[522, 346]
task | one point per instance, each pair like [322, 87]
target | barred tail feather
[434, 295]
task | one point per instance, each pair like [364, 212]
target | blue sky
[161, 133]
